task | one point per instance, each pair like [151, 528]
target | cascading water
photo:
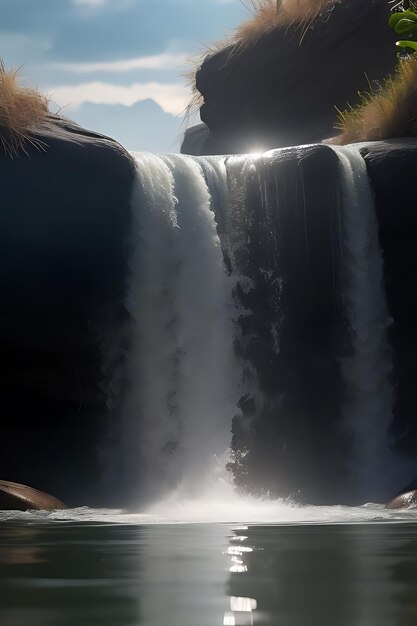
[369, 396]
[182, 369]
[250, 281]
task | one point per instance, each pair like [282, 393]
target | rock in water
[404, 500]
[21, 498]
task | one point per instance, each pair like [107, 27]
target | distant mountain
[144, 126]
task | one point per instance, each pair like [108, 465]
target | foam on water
[232, 510]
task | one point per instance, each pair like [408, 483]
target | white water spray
[182, 365]
[367, 410]
[185, 379]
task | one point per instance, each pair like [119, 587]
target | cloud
[90, 3]
[112, 5]
[99, 30]
[142, 27]
[164, 61]
[172, 98]
[26, 17]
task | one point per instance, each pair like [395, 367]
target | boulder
[283, 88]
[403, 501]
[196, 140]
[64, 224]
[17, 497]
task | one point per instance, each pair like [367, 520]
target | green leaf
[412, 45]
[405, 26]
[402, 15]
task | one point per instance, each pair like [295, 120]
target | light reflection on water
[241, 608]
[91, 574]
[321, 575]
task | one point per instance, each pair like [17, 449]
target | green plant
[404, 21]
[389, 109]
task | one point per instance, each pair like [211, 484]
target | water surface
[86, 571]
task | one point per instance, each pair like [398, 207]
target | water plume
[182, 395]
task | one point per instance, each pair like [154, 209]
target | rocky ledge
[283, 88]
[64, 224]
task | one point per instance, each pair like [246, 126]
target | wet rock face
[281, 91]
[391, 166]
[292, 443]
[285, 246]
[15, 497]
[403, 501]
[64, 221]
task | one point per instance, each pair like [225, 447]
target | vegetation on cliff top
[267, 15]
[21, 110]
[389, 110]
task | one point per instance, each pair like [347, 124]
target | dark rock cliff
[292, 442]
[391, 166]
[287, 439]
[63, 227]
[282, 90]
[64, 224]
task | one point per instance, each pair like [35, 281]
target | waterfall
[368, 405]
[260, 327]
[182, 367]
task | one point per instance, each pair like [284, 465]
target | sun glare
[256, 151]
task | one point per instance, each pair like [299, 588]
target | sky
[115, 65]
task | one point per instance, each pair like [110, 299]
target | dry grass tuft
[389, 111]
[196, 98]
[267, 15]
[21, 110]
